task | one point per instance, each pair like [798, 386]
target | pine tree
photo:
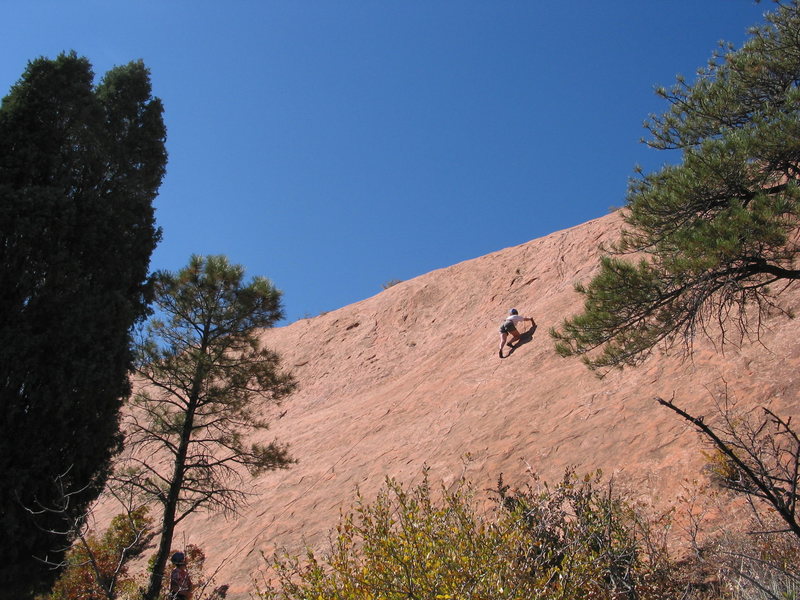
[718, 241]
[80, 166]
[716, 234]
[205, 378]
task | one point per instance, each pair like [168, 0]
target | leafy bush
[97, 567]
[575, 540]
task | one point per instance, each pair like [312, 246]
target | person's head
[179, 559]
[513, 311]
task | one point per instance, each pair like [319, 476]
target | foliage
[97, 567]
[205, 380]
[391, 283]
[750, 555]
[755, 457]
[714, 233]
[80, 166]
[716, 241]
[576, 540]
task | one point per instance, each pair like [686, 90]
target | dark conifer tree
[717, 234]
[716, 239]
[80, 166]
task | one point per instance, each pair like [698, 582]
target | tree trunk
[168, 520]
[176, 484]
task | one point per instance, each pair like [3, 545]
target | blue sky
[334, 146]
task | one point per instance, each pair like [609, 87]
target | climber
[509, 326]
[180, 584]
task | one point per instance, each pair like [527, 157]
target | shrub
[96, 568]
[391, 283]
[575, 540]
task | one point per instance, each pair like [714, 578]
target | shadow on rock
[524, 338]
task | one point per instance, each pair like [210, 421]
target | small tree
[757, 456]
[391, 283]
[204, 380]
[717, 233]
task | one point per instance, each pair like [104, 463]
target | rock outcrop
[411, 378]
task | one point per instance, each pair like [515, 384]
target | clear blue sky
[333, 146]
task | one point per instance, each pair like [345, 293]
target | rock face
[411, 377]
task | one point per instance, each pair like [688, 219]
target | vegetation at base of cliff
[96, 567]
[575, 540]
[581, 538]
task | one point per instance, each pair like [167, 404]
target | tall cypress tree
[80, 166]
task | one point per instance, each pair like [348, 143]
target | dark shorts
[508, 327]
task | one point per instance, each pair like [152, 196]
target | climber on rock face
[509, 327]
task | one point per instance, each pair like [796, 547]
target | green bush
[575, 540]
[96, 568]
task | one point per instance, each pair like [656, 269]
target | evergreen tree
[205, 379]
[80, 166]
[716, 235]
[717, 240]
